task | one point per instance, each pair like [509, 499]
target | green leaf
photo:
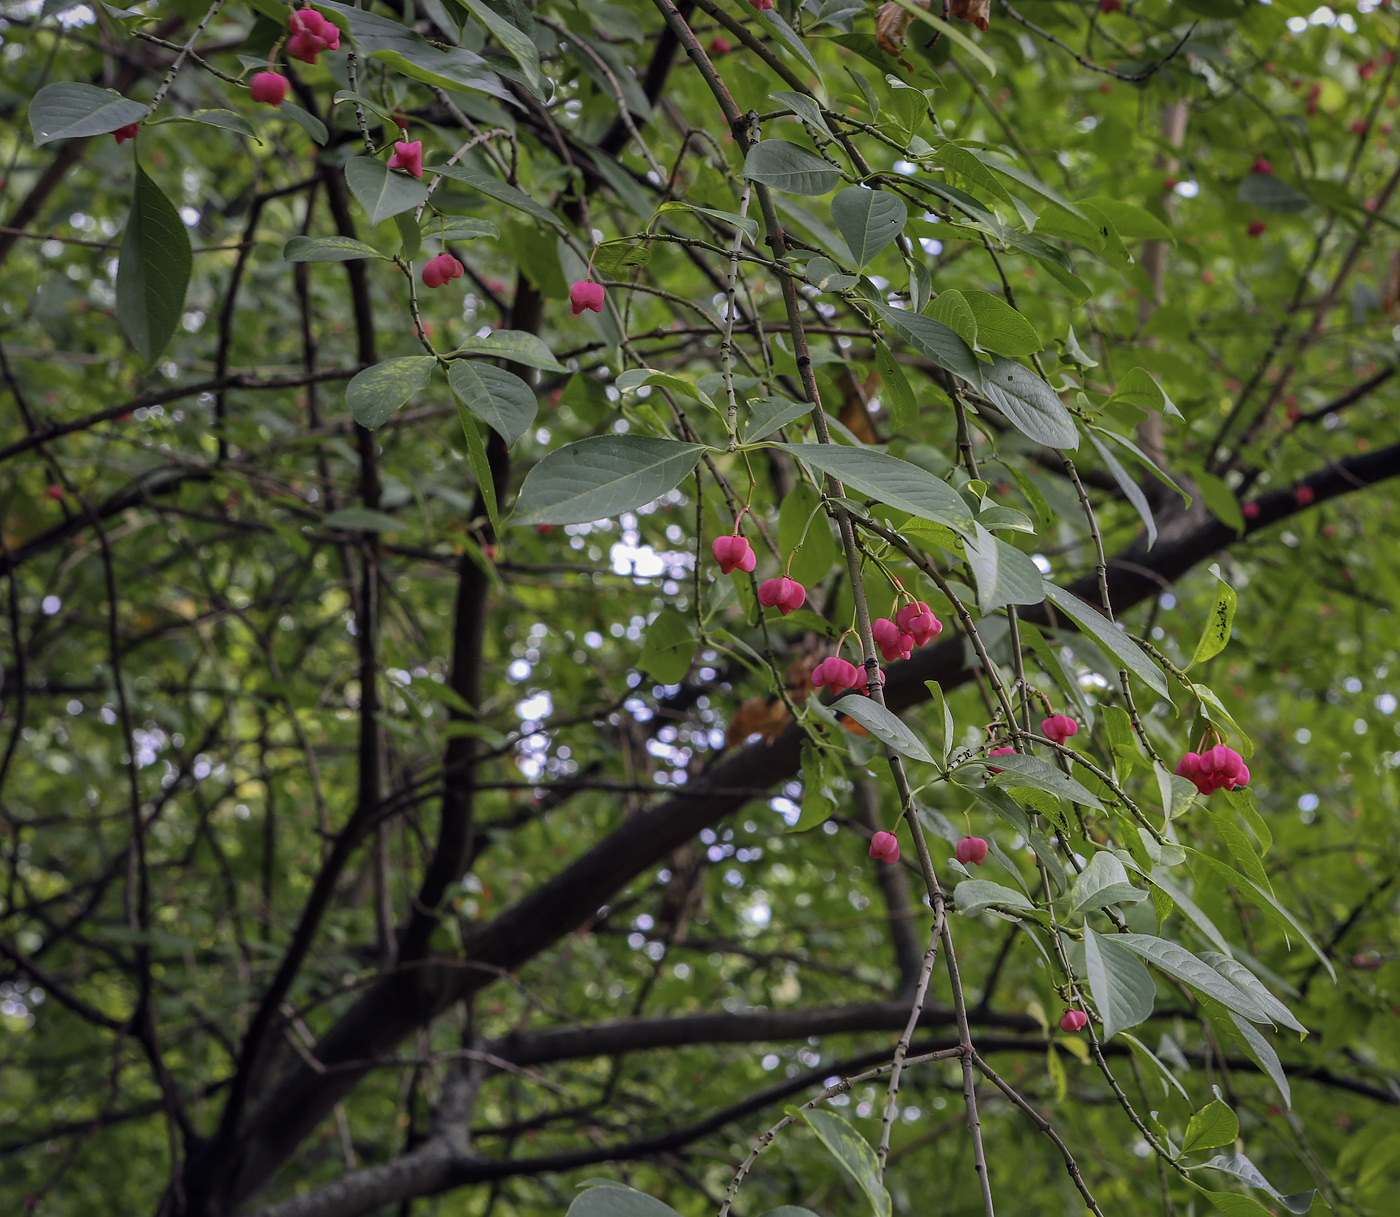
[514, 346]
[1269, 193]
[952, 33]
[400, 48]
[410, 235]
[1123, 990]
[1137, 388]
[1021, 769]
[1030, 404]
[1148, 1057]
[669, 647]
[636, 378]
[932, 339]
[381, 191]
[308, 122]
[1233, 1204]
[385, 113]
[459, 228]
[827, 276]
[1082, 228]
[1101, 883]
[480, 463]
[1245, 1170]
[894, 482]
[869, 220]
[801, 516]
[749, 227]
[328, 249]
[1143, 459]
[378, 393]
[1000, 328]
[886, 727]
[1131, 490]
[1195, 973]
[896, 395]
[943, 716]
[1266, 903]
[768, 414]
[1219, 499]
[362, 519]
[1004, 574]
[1034, 497]
[70, 110]
[805, 108]
[521, 48]
[615, 1200]
[226, 120]
[153, 270]
[1214, 1125]
[1242, 978]
[854, 1153]
[952, 309]
[1216, 634]
[596, 478]
[613, 257]
[1263, 1054]
[817, 800]
[973, 896]
[1112, 639]
[789, 168]
[789, 35]
[1131, 222]
[492, 186]
[1029, 180]
[503, 401]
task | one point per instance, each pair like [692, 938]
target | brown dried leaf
[852, 726]
[891, 23]
[854, 413]
[757, 716]
[1391, 299]
[798, 676]
[975, 11]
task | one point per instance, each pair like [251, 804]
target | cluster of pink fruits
[1218, 768]
[309, 35]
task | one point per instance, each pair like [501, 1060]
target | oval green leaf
[514, 346]
[381, 191]
[669, 647]
[868, 219]
[894, 482]
[886, 727]
[854, 1153]
[503, 401]
[1123, 990]
[71, 110]
[1109, 636]
[1031, 405]
[789, 168]
[1102, 882]
[601, 477]
[153, 270]
[327, 249]
[378, 393]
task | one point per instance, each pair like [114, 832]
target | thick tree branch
[394, 1007]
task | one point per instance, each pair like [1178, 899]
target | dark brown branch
[394, 1007]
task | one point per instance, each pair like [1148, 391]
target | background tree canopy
[404, 813]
